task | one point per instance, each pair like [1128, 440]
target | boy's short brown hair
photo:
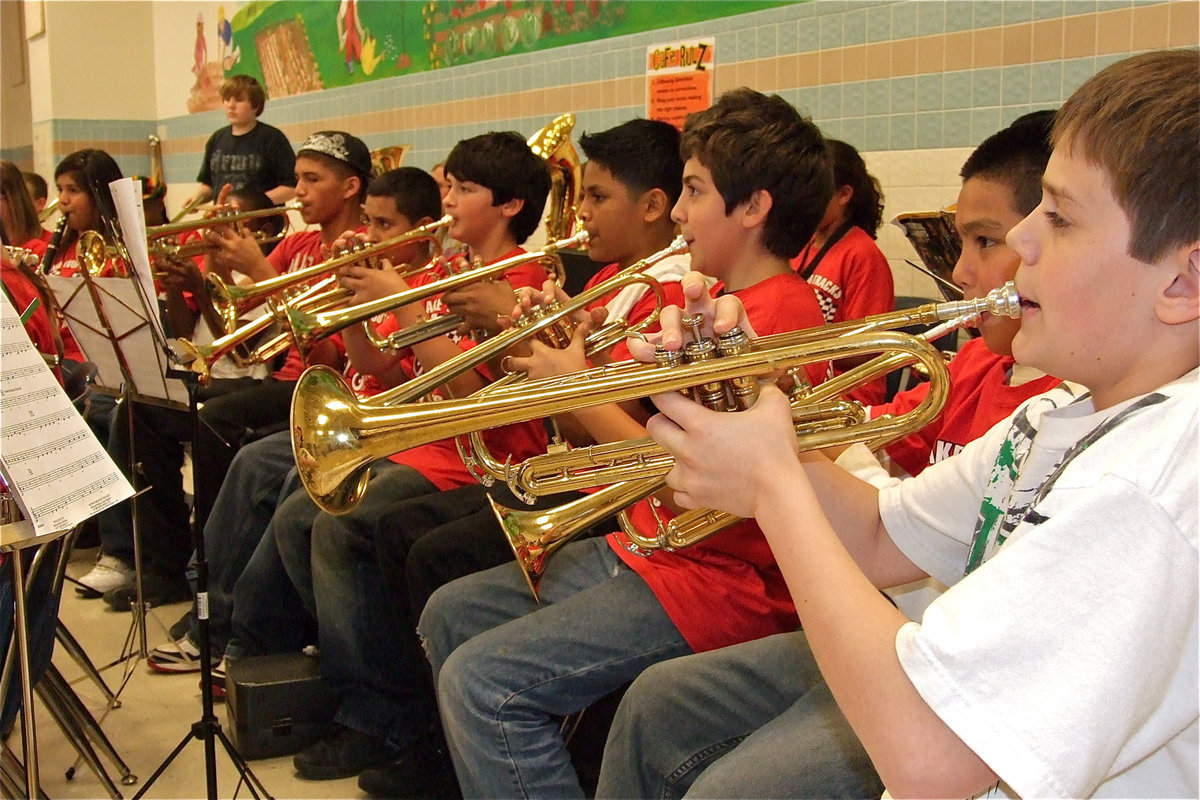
[245, 86]
[1139, 120]
[751, 141]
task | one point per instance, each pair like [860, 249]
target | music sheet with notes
[49, 457]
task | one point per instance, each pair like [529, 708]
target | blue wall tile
[957, 89]
[903, 95]
[956, 129]
[853, 99]
[831, 31]
[931, 17]
[984, 122]
[929, 130]
[829, 103]
[876, 136]
[879, 24]
[854, 27]
[987, 13]
[903, 131]
[1015, 85]
[1046, 82]
[904, 20]
[929, 93]
[985, 87]
[958, 15]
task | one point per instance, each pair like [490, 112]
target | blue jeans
[271, 613]
[506, 668]
[754, 720]
[368, 657]
[261, 476]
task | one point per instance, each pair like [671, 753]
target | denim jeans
[507, 668]
[754, 720]
[369, 653]
[271, 613]
[261, 476]
[158, 434]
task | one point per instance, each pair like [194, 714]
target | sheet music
[49, 457]
[127, 196]
[123, 306]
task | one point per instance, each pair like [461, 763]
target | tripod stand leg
[86, 723]
[71, 645]
[77, 738]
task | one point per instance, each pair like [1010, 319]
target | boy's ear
[511, 207]
[756, 209]
[353, 184]
[655, 205]
[1179, 303]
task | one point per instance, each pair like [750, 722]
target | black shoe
[182, 626]
[156, 591]
[424, 771]
[342, 753]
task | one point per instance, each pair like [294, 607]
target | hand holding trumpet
[720, 314]
[544, 360]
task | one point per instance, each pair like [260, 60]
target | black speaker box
[276, 705]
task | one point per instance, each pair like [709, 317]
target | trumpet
[231, 302]
[235, 344]
[335, 437]
[309, 328]
[546, 320]
[235, 218]
[548, 323]
[534, 536]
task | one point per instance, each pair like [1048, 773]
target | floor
[156, 712]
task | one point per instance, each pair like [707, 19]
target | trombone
[335, 436]
[308, 328]
[231, 302]
[536, 535]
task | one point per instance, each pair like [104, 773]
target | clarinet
[52, 247]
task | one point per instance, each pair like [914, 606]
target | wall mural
[297, 46]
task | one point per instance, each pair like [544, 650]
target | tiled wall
[911, 84]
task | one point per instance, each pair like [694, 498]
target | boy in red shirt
[683, 722]
[757, 179]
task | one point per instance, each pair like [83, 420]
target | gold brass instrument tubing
[309, 328]
[536, 535]
[336, 436]
[48, 211]
[27, 263]
[231, 302]
[224, 218]
[204, 356]
[546, 320]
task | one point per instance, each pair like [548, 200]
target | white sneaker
[180, 655]
[109, 573]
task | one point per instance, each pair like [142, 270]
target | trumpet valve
[743, 390]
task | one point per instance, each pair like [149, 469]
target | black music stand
[207, 728]
[159, 369]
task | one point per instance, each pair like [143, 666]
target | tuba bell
[553, 143]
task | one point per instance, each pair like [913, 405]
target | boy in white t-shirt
[1062, 661]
